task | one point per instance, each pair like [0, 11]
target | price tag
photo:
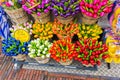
[22, 35]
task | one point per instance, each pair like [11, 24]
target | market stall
[62, 33]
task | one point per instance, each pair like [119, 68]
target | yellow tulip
[35, 36]
[50, 32]
[83, 27]
[85, 37]
[88, 32]
[88, 28]
[82, 32]
[94, 34]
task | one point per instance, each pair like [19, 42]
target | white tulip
[44, 52]
[42, 56]
[48, 55]
[45, 49]
[38, 54]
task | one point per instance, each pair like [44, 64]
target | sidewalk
[7, 73]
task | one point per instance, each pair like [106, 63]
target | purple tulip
[39, 6]
[46, 10]
[38, 13]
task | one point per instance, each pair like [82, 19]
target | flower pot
[88, 20]
[18, 16]
[68, 62]
[20, 57]
[42, 61]
[43, 18]
[65, 20]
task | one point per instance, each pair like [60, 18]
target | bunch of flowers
[62, 50]
[89, 31]
[13, 47]
[11, 5]
[90, 52]
[26, 26]
[62, 30]
[43, 31]
[33, 7]
[65, 8]
[39, 48]
[95, 8]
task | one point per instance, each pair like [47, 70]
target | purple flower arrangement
[38, 7]
[65, 8]
[13, 47]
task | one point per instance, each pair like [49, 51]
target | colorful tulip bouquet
[14, 9]
[42, 31]
[90, 52]
[40, 9]
[94, 9]
[89, 31]
[39, 49]
[25, 26]
[63, 51]
[65, 9]
[15, 48]
[62, 30]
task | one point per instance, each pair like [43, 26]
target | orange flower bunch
[62, 30]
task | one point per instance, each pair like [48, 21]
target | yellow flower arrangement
[42, 31]
[89, 31]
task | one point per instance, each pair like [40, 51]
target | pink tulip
[94, 7]
[90, 14]
[95, 15]
[96, 10]
[86, 4]
[102, 14]
[90, 5]
[82, 3]
[95, 2]
[106, 9]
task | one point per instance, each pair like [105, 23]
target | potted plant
[92, 10]
[62, 51]
[65, 9]
[15, 11]
[64, 30]
[39, 50]
[39, 9]
[15, 48]
[42, 31]
[89, 31]
[90, 52]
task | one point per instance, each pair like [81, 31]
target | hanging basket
[42, 61]
[65, 20]
[20, 57]
[88, 20]
[18, 16]
[43, 18]
[68, 62]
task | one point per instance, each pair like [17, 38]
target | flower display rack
[52, 63]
